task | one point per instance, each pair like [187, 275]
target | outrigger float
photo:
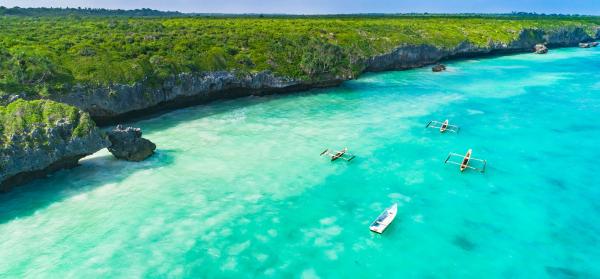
[465, 161]
[385, 219]
[341, 154]
[443, 126]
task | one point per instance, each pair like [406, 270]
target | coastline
[126, 103]
[118, 103]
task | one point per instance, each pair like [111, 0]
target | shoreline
[67, 163]
[114, 104]
[191, 101]
[129, 103]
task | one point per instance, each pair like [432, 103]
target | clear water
[238, 190]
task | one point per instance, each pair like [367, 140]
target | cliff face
[406, 57]
[110, 104]
[120, 101]
[57, 137]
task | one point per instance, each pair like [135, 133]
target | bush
[321, 57]
[215, 59]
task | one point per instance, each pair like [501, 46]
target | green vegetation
[16, 11]
[46, 55]
[27, 122]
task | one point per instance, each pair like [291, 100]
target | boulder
[128, 144]
[438, 68]
[541, 49]
[584, 45]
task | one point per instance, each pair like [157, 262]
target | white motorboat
[384, 219]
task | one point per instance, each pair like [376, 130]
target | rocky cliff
[117, 102]
[406, 57]
[39, 137]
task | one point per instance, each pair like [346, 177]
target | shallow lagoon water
[237, 188]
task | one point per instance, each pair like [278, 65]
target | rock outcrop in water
[438, 68]
[128, 144]
[117, 102]
[541, 49]
[57, 138]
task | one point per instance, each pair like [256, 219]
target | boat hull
[384, 219]
[444, 126]
[465, 161]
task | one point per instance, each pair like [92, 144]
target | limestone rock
[541, 49]
[439, 68]
[128, 144]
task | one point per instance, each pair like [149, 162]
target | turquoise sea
[237, 188]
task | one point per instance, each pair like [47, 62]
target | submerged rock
[562, 272]
[128, 144]
[541, 49]
[464, 243]
[55, 136]
[439, 68]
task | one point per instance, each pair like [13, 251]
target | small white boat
[384, 219]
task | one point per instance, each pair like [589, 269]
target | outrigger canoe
[339, 154]
[444, 126]
[384, 219]
[465, 162]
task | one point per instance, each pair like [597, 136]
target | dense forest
[17, 11]
[42, 55]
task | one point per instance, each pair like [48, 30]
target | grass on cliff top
[22, 117]
[45, 55]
